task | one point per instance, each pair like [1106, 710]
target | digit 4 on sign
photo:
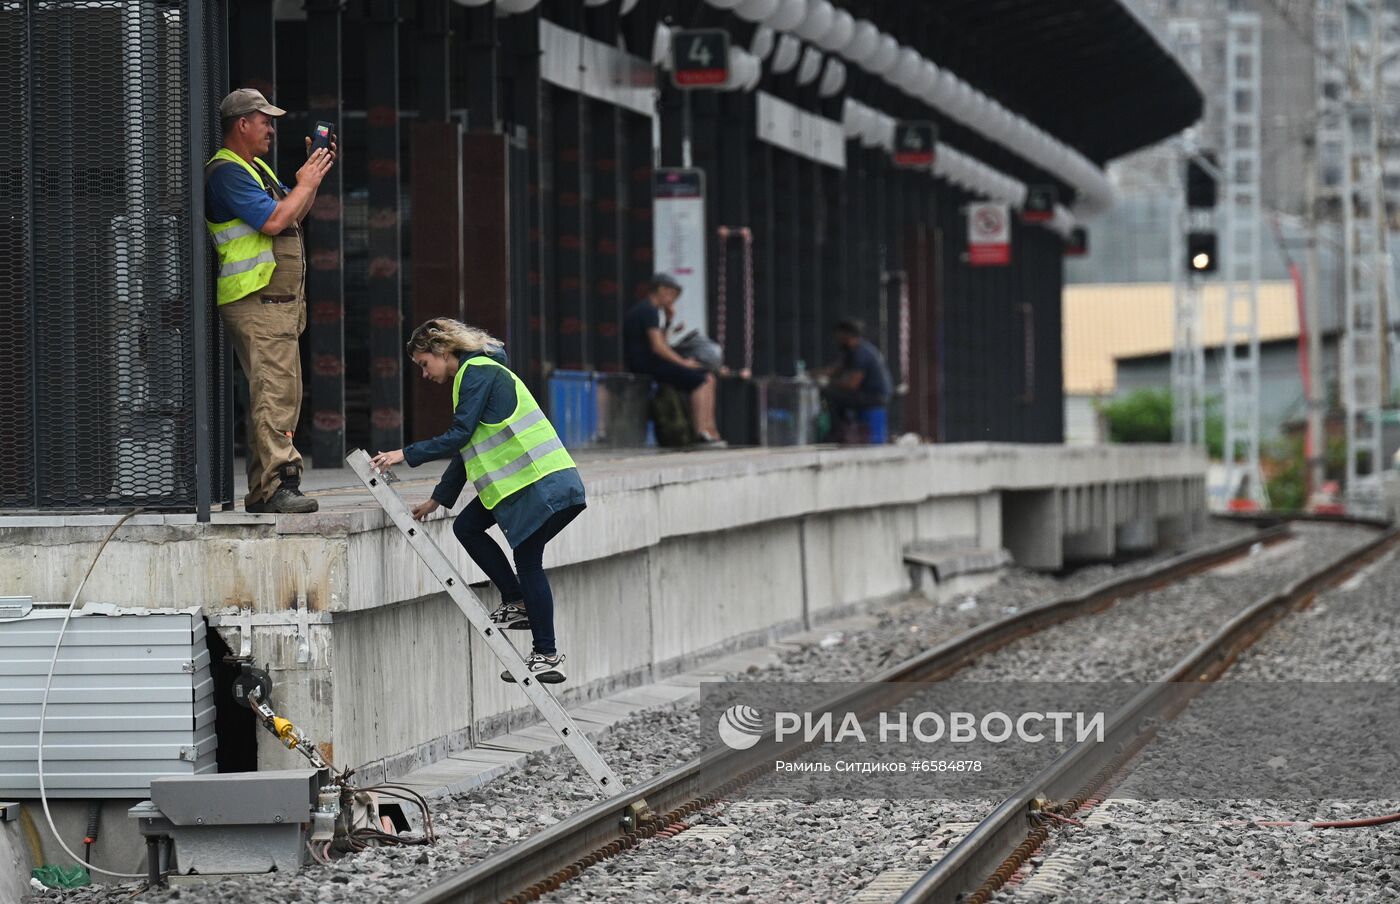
[700, 57]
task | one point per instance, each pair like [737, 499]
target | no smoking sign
[988, 235]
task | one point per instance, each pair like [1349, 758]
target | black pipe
[94, 823]
[154, 878]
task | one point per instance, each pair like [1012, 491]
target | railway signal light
[1201, 255]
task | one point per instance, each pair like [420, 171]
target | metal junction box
[245, 822]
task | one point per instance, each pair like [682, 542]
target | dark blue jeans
[528, 581]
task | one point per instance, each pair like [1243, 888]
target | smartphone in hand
[321, 135]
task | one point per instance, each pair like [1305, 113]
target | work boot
[289, 499]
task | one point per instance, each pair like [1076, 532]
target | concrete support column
[1094, 537]
[989, 521]
[1031, 528]
[1138, 532]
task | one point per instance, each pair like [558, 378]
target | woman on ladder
[524, 477]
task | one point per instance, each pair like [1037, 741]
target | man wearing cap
[645, 351]
[255, 222]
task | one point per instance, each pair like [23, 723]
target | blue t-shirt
[867, 359]
[231, 192]
[637, 355]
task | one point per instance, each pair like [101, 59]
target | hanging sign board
[1040, 204]
[988, 235]
[1078, 243]
[914, 143]
[700, 57]
[678, 237]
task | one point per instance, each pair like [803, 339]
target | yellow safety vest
[507, 457]
[246, 261]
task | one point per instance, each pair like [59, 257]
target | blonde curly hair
[443, 336]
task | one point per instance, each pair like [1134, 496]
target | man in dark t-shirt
[645, 351]
[859, 381]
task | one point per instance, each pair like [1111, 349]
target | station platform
[680, 557]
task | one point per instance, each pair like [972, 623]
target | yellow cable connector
[285, 731]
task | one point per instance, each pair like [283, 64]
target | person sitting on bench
[645, 351]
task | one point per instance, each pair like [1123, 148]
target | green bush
[1145, 416]
[1287, 485]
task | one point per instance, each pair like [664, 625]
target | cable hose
[1340, 824]
[44, 706]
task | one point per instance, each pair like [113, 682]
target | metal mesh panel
[16, 401]
[98, 332]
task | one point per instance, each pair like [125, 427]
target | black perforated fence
[112, 383]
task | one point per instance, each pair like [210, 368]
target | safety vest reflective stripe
[510, 432]
[244, 266]
[224, 236]
[504, 458]
[531, 456]
[246, 259]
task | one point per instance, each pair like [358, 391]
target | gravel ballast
[1195, 850]
[826, 850]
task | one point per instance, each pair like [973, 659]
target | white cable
[44, 708]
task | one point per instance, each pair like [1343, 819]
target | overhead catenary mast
[1240, 257]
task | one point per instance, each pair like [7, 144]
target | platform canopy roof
[1093, 73]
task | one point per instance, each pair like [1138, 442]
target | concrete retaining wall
[677, 556]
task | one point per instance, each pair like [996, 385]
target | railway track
[989, 855]
[551, 858]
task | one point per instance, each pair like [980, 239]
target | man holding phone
[255, 222]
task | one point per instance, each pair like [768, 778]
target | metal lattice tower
[1354, 125]
[1240, 257]
[1188, 352]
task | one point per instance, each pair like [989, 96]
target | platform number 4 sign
[700, 57]
[914, 143]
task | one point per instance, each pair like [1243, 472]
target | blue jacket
[488, 394]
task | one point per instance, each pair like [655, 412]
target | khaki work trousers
[265, 334]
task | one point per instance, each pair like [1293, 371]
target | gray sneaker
[290, 501]
[544, 669]
[512, 616]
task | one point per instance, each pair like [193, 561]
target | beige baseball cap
[245, 101]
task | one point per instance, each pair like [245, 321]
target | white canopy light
[852, 114]
[627, 6]
[810, 67]
[472, 2]
[885, 57]
[661, 47]
[756, 10]
[908, 67]
[745, 70]
[788, 15]
[763, 41]
[786, 56]
[928, 74]
[511, 7]
[843, 27]
[833, 79]
[820, 16]
[865, 40]
[725, 4]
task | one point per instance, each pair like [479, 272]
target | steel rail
[538, 864]
[975, 867]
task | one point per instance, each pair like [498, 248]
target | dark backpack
[670, 417]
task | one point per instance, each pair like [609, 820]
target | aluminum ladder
[475, 610]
